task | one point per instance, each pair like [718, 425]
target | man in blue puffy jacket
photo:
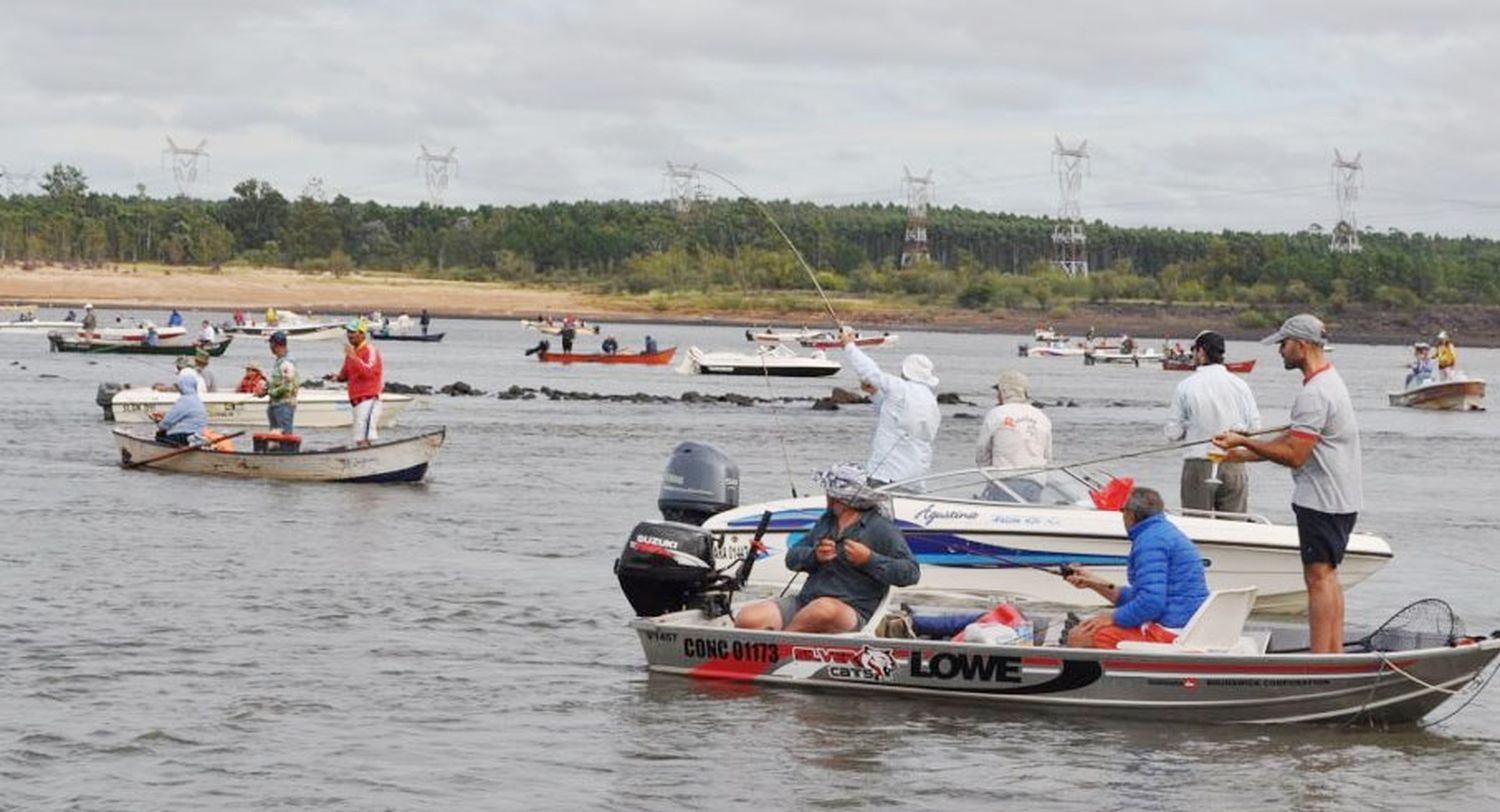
[1166, 581]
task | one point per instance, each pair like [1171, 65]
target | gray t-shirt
[1329, 480]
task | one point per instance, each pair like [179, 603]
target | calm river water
[173, 642]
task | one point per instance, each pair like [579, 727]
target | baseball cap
[1210, 341]
[1301, 327]
[278, 337]
[1012, 386]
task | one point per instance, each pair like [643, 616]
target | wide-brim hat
[918, 369]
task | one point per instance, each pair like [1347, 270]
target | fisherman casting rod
[1155, 450]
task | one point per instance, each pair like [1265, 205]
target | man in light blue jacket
[907, 415]
[184, 423]
[1166, 587]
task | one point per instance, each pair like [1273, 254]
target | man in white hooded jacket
[907, 415]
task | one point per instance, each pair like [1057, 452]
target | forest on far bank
[980, 261]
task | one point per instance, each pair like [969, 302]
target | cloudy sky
[1197, 113]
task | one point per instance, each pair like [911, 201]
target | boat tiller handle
[748, 562]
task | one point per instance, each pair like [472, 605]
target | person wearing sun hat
[1322, 448]
[1446, 356]
[365, 375]
[853, 555]
[906, 414]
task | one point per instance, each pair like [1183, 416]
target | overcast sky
[1197, 114]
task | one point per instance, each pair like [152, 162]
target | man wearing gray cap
[1321, 446]
[1209, 401]
[906, 414]
[1015, 433]
[853, 556]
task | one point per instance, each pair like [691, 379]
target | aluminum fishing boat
[388, 460]
[767, 360]
[991, 531]
[1465, 394]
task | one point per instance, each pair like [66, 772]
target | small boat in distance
[832, 342]
[310, 331]
[1186, 365]
[1461, 394]
[28, 326]
[430, 338]
[657, 358]
[178, 345]
[767, 360]
[402, 459]
[553, 328]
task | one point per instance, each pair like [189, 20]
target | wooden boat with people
[1463, 394]
[176, 345]
[658, 358]
[766, 360]
[1181, 364]
[403, 459]
[430, 338]
[316, 408]
[553, 328]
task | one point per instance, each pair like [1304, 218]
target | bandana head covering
[848, 482]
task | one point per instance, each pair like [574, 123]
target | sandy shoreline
[253, 289]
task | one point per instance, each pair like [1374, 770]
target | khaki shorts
[1233, 496]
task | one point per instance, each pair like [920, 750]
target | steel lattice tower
[683, 186]
[1347, 177]
[1069, 242]
[185, 163]
[918, 198]
[437, 170]
[17, 182]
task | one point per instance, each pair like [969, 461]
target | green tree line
[979, 260]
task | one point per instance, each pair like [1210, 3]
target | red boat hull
[1241, 367]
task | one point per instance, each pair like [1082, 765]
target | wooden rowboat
[396, 460]
[171, 346]
[1461, 395]
[1175, 365]
[430, 338]
[649, 359]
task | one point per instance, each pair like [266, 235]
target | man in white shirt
[1015, 434]
[907, 415]
[1210, 401]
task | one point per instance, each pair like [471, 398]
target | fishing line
[1154, 450]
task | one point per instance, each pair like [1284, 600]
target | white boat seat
[1216, 627]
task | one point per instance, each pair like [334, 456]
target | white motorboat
[29, 326]
[990, 531]
[302, 331]
[403, 459]
[1120, 356]
[773, 336]
[766, 360]
[1052, 348]
[553, 328]
[316, 408]
[1457, 394]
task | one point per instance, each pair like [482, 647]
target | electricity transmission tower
[918, 198]
[17, 182]
[683, 186]
[314, 189]
[1347, 177]
[185, 163]
[1069, 243]
[437, 170]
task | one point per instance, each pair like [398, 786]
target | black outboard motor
[666, 567]
[700, 481]
[105, 397]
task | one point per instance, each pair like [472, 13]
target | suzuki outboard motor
[666, 567]
[700, 481]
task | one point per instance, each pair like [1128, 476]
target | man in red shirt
[366, 376]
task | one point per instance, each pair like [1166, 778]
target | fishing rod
[1154, 450]
[788, 240]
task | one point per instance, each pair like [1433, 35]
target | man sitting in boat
[1166, 586]
[184, 423]
[1422, 369]
[650, 346]
[853, 555]
[609, 346]
[1015, 434]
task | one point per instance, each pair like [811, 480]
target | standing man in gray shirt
[1322, 448]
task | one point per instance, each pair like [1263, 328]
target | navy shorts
[1321, 536]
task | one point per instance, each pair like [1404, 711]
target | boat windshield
[1049, 487]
